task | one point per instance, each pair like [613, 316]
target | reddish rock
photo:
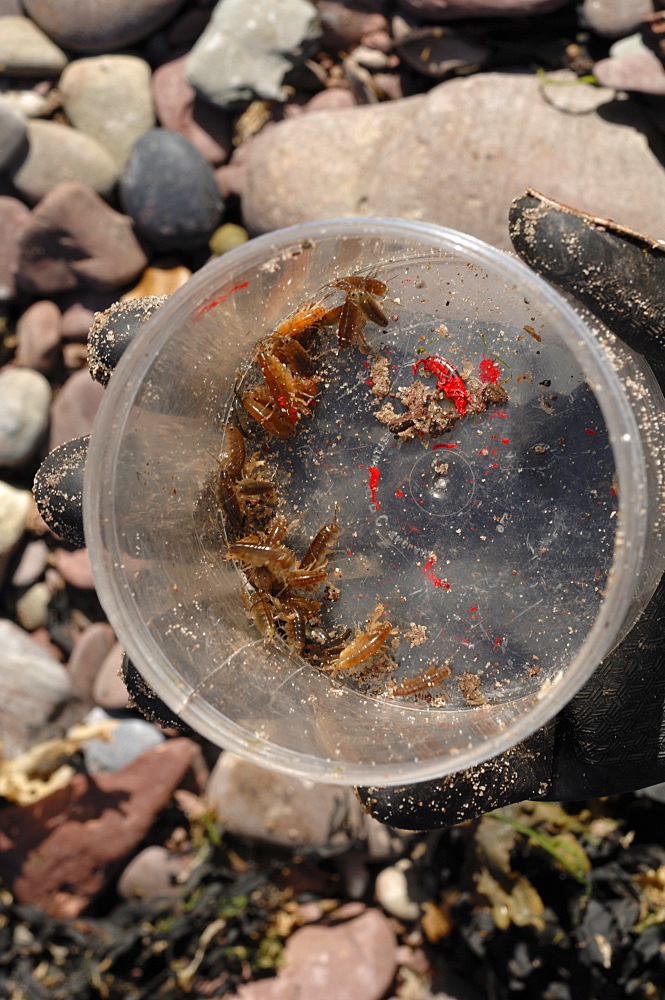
[75, 240]
[60, 853]
[74, 408]
[181, 110]
[153, 874]
[345, 26]
[355, 960]
[642, 72]
[14, 218]
[74, 567]
[78, 312]
[90, 651]
[38, 336]
[108, 689]
[90, 26]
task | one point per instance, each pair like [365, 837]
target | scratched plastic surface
[495, 538]
[501, 540]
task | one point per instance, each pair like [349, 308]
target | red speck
[202, 310]
[589, 431]
[435, 446]
[498, 640]
[399, 493]
[474, 608]
[428, 572]
[174, 492]
[498, 413]
[448, 380]
[489, 371]
[369, 381]
[374, 474]
[505, 440]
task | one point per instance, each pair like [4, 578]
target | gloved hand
[610, 737]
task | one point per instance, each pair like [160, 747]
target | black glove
[609, 738]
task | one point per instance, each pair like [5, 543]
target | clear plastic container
[517, 547]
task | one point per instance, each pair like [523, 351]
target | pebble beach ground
[137, 140]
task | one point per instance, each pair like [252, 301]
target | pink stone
[108, 689]
[75, 568]
[60, 853]
[91, 649]
[38, 336]
[181, 110]
[74, 409]
[14, 218]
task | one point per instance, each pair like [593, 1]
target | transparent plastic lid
[469, 440]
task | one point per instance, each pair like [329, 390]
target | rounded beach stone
[38, 336]
[75, 240]
[74, 408]
[109, 98]
[92, 647]
[129, 739]
[13, 130]
[91, 26]
[57, 153]
[26, 51]
[169, 191]
[58, 490]
[15, 509]
[180, 109]
[25, 397]
[152, 874]
[14, 218]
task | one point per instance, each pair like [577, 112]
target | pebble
[38, 336]
[100, 27]
[108, 690]
[51, 859]
[574, 98]
[169, 191]
[227, 237]
[32, 564]
[180, 109]
[238, 58]
[354, 960]
[109, 98]
[153, 874]
[74, 567]
[75, 240]
[398, 890]
[27, 100]
[280, 809]
[74, 408]
[129, 739]
[34, 686]
[614, 18]
[57, 153]
[344, 27]
[13, 131]
[437, 53]
[158, 282]
[444, 10]
[642, 72]
[32, 607]
[78, 312]
[26, 51]
[14, 219]
[466, 173]
[16, 508]
[88, 654]
[25, 397]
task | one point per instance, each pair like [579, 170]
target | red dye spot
[399, 493]
[369, 381]
[202, 310]
[474, 608]
[374, 474]
[430, 575]
[489, 371]
[435, 446]
[498, 413]
[589, 431]
[505, 440]
[498, 640]
[448, 381]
